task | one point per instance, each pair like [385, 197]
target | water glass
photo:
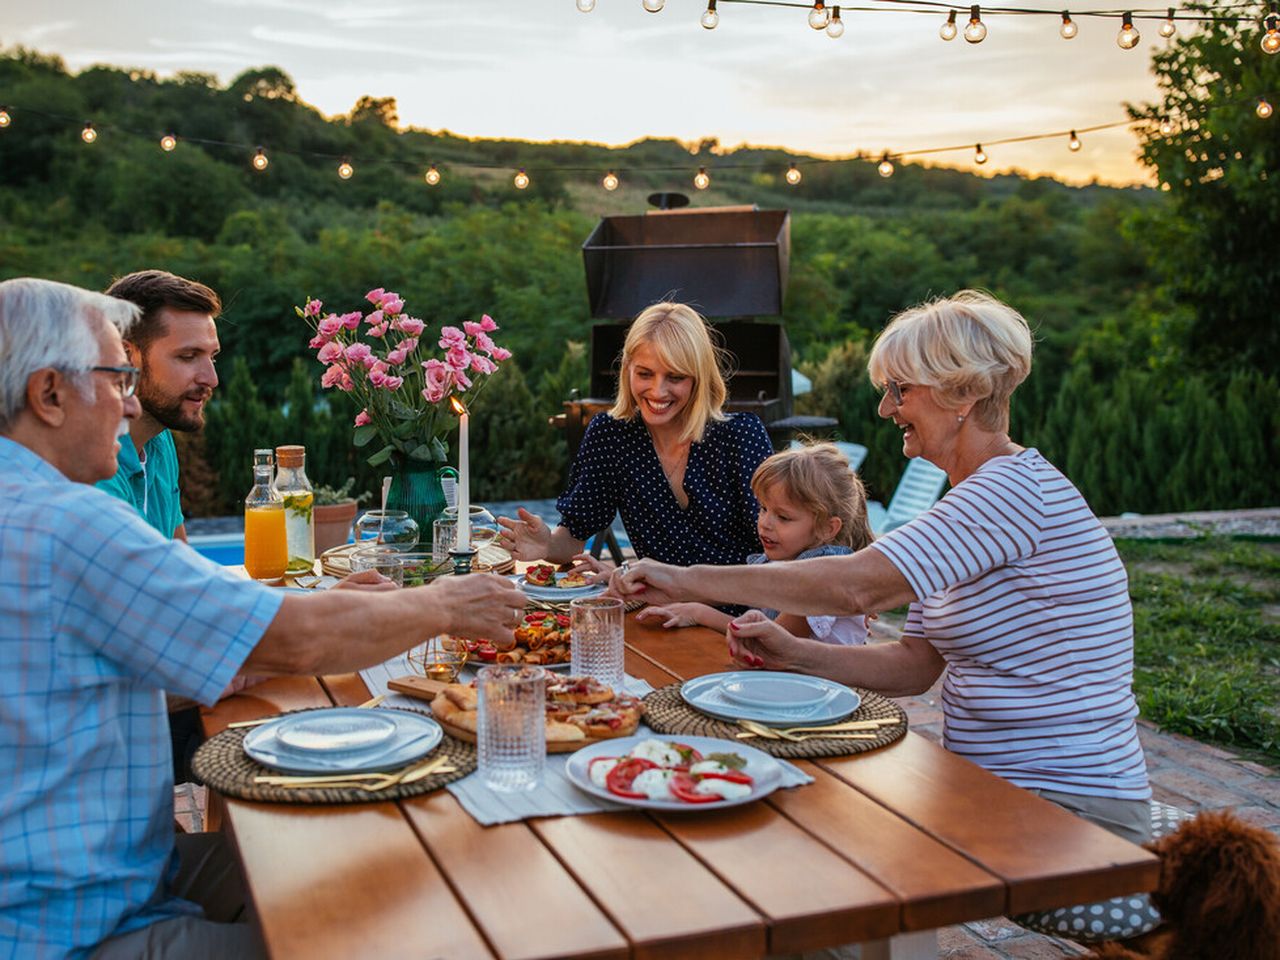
[386, 560]
[596, 648]
[512, 736]
[442, 532]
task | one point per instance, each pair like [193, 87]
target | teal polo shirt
[151, 489]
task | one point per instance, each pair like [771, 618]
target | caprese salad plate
[677, 773]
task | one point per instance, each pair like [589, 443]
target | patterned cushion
[1116, 919]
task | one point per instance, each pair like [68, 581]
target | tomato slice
[562, 619]
[682, 788]
[620, 778]
[733, 776]
[688, 755]
[488, 654]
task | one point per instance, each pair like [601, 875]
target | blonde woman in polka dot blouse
[666, 457]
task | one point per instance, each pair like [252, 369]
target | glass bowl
[392, 528]
[418, 568]
[484, 525]
[440, 658]
[386, 560]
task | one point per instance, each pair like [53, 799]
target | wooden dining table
[883, 848]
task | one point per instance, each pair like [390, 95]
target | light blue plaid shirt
[99, 614]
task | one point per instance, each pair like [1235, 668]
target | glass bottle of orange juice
[266, 552]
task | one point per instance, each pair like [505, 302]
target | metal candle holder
[462, 559]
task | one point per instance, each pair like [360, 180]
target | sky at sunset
[541, 70]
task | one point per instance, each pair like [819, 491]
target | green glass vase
[416, 489]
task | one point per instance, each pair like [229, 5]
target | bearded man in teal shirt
[175, 344]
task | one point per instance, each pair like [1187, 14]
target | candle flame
[458, 408]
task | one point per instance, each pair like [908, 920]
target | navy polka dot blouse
[617, 470]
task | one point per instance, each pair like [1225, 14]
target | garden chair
[855, 452]
[917, 491]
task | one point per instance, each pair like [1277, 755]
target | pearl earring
[960, 418]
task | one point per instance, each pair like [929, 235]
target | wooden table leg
[920, 945]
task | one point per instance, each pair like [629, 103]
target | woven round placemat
[666, 712]
[222, 764]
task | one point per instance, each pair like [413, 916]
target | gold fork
[363, 781]
[795, 734]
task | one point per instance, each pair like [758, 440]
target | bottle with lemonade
[295, 490]
[266, 555]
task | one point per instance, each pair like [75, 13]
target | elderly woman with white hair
[1015, 589]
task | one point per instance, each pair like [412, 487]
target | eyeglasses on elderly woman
[127, 381]
[893, 389]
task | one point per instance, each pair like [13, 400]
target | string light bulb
[701, 180]
[168, 142]
[1073, 144]
[260, 160]
[819, 15]
[521, 179]
[1168, 28]
[793, 175]
[610, 181]
[948, 30]
[345, 170]
[586, 6]
[88, 134]
[654, 6]
[432, 176]
[710, 18]
[975, 30]
[5, 119]
[1271, 39]
[1263, 110]
[1128, 36]
[886, 165]
[835, 28]
[1166, 126]
[1068, 30]
[979, 155]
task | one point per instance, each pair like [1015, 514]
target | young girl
[811, 505]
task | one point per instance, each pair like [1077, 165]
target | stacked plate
[343, 740]
[770, 697]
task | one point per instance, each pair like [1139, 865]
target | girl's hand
[674, 615]
[527, 538]
[600, 570]
[756, 641]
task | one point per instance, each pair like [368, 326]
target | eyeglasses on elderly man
[127, 383]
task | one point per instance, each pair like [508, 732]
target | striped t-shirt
[1020, 589]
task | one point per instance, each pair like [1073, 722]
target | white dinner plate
[707, 695]
[776, 690]
[336, 731]
[763, 769]
[413, 736]
[560, 593]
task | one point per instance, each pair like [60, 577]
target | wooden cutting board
[425, 689]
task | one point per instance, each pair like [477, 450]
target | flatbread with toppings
[540, 575]
[572, 580]
[580, 710]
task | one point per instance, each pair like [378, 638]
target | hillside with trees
[1155, 380]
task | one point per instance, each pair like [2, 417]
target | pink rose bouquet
[381, 360]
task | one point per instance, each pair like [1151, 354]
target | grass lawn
[1207, 639]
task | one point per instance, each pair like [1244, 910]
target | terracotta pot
[333, 524]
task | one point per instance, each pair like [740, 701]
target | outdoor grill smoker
[728, 263]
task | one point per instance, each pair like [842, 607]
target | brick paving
[1185, 773]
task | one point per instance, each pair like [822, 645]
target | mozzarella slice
[654, 784]
[658, 751]
[725, 789]
[708, 766]
[600, 770]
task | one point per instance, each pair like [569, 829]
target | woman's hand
[527, 538]
[756, 641]
[600, 570]
[673, 614]
[657, 583]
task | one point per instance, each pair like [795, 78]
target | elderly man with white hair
[99, 616]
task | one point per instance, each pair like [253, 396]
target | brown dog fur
[1219, 894]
